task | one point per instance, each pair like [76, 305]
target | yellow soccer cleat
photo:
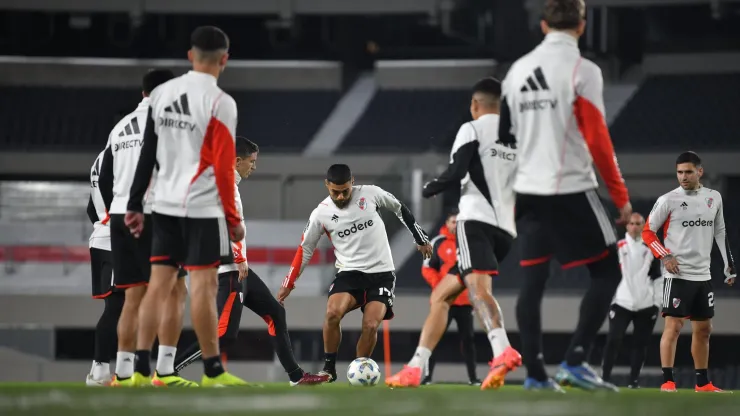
[173, 380]
[225, 380]
[137, 380]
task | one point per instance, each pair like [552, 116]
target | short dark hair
[489, 86]
[452, 212]
[245, 147]
[209, 39]
[564, 14]
[338, 174]
[155, 78]
[689, 157]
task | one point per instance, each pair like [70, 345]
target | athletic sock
[166, 360]
[125, 364]
[499, 341]
[702, 377]
[213, 367]
[100, 371]
[667, 374]
[421, 357]
[142, 365]
[330, 362]
[93, 367]
[296, 375]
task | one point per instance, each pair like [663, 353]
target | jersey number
[710, 296]
[385, 290]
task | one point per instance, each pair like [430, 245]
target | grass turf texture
[342, 399]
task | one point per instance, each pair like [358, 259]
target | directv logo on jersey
[177, 124]
[355, 228]
[128, 144]
[503, 155]
[544, 104]
[698, 223]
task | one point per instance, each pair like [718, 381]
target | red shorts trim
[207, 266]
[132, 285]
[534, 262]
[104, 295]
[594, 259]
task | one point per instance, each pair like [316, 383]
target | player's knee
[133, 297]
[703, 331]
[672, 328]
[333, 316]
[370, 326]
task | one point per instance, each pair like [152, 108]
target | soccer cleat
[668, 387]
[329, 372]
[225, 380]
[708, 388]
[92, 382]
[549, 384]
[407, 377]
[309, 379]
[474, 382]
[582, 376]
[633, 386]
[172, 380]
[507, 361]
[136, 380]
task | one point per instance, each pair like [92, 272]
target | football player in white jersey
[692, 218]
[483, 168]
[101, 264]
[366, 277]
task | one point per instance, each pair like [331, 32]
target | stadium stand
[79, 119]
[676, 112]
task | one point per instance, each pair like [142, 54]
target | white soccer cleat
[92, 382]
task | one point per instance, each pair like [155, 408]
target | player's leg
[260, 300]
[463, 315]
[643, 322]
[585, 236]
[434, 328]
[344, 296]
[372, 316]
[675, 311]
[702, 312]
[428, 370]
[619, 320]
[105, 332]
[168, 333]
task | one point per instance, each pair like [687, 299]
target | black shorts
[101, 264]
[575, 228]
[130, 255]
[367, 287]
[688, 299]
[480, 247]
[193, 243]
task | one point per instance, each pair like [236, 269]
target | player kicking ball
[238, 281]
[366, 278]
[485, 232]
[692, 217]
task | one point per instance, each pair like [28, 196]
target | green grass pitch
[342, 399]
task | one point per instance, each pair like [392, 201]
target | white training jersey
[552, 110]
[193, 123]
[357, 232]
[100, 237]
[240, 247]
[692, 221]
[641, 286]
[124, 144]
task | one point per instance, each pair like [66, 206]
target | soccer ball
[363, 372]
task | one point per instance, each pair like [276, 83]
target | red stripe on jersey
[651, 239]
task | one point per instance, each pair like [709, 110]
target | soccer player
[434, 269]
[131, 266]
[102, 283]
[485, 231]
[189, 133]
[366, 277]
[637, 300]
[553, 112]
[237, 280]
[691, 217]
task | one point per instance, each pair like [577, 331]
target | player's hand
[135, 222]
[283, 294]
[236, 233]
[670, 263]
[624, 214]
[730, 275]
[425, 250]
[243, 270]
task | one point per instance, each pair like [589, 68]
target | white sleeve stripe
[658, 248]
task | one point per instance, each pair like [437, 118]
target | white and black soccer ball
[363, 372]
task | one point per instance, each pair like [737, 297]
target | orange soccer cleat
[668, 387]
[709, 388]
[507, 361]
[407, 377]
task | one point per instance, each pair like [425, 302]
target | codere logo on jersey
[698, 223]
[179, 106]
[537, 82]
[355, 228]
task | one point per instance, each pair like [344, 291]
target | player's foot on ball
[549, 384]
[93, 382]
[136, 380]
[582, 376]
[507, 361]
[709, 388]
[309, 379]
[407, 377]
[668, 387]
[171, 380]
[329, 372]
[225, 380]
